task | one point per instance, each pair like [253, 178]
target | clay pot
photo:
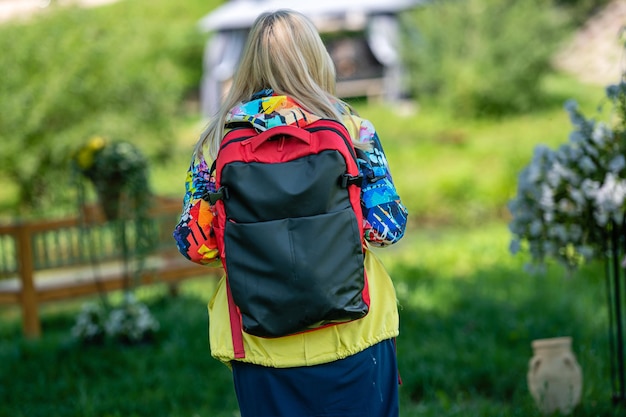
[554, 376]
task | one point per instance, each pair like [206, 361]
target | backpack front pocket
[293, 274]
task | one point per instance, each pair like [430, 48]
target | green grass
[468, 315]
[174, 376]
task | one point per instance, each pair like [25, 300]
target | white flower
[601, 217]
[577, 197]
[612, 192]
[565, 197]
[587, 165]
[590, 149]
[90, 322]
[554, 176]
[609, 200]
[559, 232]
[600, 134]
[534, 175]
[567, 207]
[535, 228]
[514, 246]
[576, 137]
[590, 188]
[548, 216]
[571, 105]
[617, 164]
[547, 197]
[131, 321]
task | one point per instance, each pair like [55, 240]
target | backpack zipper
[337, 131]
[348, 142]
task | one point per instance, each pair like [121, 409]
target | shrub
[120, 71]
[481, 57]
[580, 10]
[570, 200]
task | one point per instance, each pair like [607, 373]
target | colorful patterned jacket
[385, 221]
[384, 215]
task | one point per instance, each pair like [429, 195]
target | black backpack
[289, 228]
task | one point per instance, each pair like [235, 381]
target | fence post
[28, 297]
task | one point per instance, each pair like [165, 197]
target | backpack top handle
[284, 131]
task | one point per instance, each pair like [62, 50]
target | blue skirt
[362, 385]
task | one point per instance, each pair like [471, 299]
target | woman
[286, 77]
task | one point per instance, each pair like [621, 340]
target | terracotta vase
[554, 376]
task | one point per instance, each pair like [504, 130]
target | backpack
[289, 228]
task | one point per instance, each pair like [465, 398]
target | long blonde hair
[283, 52]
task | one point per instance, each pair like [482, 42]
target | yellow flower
[86, 155]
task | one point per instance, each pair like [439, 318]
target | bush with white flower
[131, 322]
[569, 200]
[90, 324]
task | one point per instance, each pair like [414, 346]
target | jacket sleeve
[384, 215]
[193, 233]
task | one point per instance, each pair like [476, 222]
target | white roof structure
[374, 54]
[240, 14]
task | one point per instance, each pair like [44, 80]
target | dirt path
[595, 54]
[16, 9]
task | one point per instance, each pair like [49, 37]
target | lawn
[468, 315]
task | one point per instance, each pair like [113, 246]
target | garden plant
[571, 206]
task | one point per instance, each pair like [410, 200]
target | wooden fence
[43, 261]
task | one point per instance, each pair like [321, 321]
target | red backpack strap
[236, 329]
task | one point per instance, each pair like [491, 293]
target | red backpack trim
[246, 145]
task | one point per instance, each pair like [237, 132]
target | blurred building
[361, 36]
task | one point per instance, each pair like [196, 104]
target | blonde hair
[283, 52]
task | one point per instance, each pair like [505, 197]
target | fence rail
[58, 259]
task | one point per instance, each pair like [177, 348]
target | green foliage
[481, 57]
[580, 10]
[461, 172]
[120, 71]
